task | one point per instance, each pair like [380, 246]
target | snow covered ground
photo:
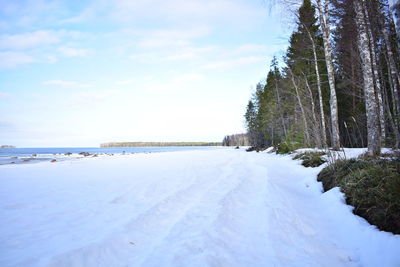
[221, 207]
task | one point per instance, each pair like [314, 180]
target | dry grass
[372, 186]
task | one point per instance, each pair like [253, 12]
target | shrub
[287, 147]
[250, 149]
[256, 148]
[311, 159]
[371, 186]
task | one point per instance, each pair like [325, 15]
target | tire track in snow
[239, 235]
[189, 234]
[227, 228]
[126, 247]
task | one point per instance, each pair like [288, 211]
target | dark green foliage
[311, 159]
[283, 148]
[299, 54]
[273, 114]
[287, 147]
[349, 76]
[286, 107]
[352, 118]
[371, 186]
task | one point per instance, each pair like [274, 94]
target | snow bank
[222, 207]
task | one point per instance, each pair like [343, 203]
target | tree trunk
[324, 20]
[371, 106]
[303, 113]
[392, 122]
[321, 104]
[377, 80]
[394, 74]
[316, 127]
[278, 99]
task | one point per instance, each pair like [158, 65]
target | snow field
[220, 207]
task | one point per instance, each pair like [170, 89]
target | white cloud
[38, 46]
[189, 52]
[251, 48]
[28, 40]
[51, 59]
[189, 12]
[188, 78]
[234, 63]
[4, 95]
[181, 33]
[73, 52]
[168, 38]
[177, 83]
[66, 84]
[9, 60]
[183, 53]
[85, 15]
[124, 82]
[92, 97]
[29, 13]
[145, 57]
[155, 42]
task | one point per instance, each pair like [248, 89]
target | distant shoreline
[34, 155]
[158, 144]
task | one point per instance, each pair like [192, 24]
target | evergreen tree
[361, 61]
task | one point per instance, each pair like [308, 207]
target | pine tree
[303, 60]
[361, 61]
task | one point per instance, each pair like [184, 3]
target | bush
[371, 186]
[287, 147]
[311, 159]
[256, 148]
[250, 149]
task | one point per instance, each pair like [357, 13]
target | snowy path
[220, 207]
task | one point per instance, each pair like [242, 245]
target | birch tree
[368, 82]
[324, 18]
[321, 104]
[376, 76]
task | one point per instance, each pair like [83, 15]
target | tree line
[158, 144]
[236, 140]
[338, 83]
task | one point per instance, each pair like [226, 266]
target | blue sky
[78, 73]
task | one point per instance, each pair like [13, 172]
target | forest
[337, 84]
[157, 144]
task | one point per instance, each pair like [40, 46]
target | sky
[80, 73]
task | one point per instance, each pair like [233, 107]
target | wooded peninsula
[163, 144]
